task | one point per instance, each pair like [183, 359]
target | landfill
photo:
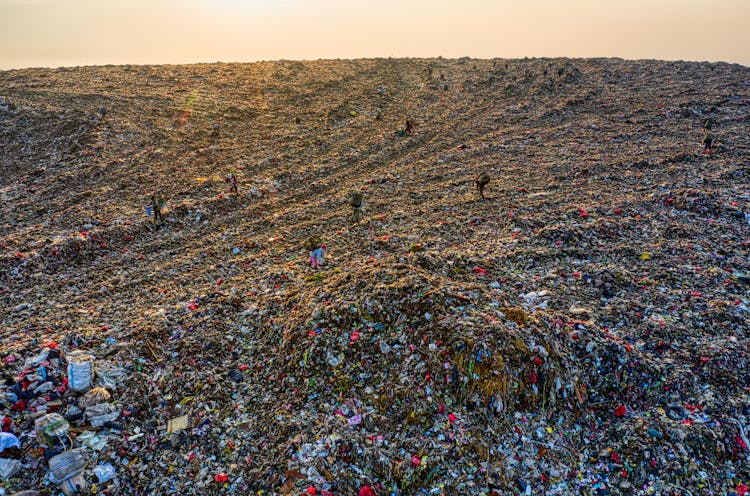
[376, 277]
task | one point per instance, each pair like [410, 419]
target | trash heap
[577, 326]
[58, 422]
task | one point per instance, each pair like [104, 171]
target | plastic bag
[73, 485]
[94, 397]
[105, 472]
[66, 465]
[8, 440]
[51, 427]
[9, 467]
[102, 413]
[80, 371]
[92, 440]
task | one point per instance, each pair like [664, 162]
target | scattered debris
[581, 331]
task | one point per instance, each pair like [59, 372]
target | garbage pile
[355, 312]
[57, 423]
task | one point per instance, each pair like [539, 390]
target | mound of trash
[376, 277]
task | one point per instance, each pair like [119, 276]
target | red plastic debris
[366, 491]
[740, 442]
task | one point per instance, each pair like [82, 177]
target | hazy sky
[36, 33]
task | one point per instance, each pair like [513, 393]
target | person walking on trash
[232, 180]
[357, 204]
[156, 210]
[316, 256]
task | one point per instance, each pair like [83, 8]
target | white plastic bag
[8, 440]
[80, 371]
[105, 472]
[9, 467]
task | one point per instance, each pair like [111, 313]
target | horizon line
[4, 68]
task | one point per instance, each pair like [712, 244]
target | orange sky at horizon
[51, 33]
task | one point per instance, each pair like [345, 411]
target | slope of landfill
[581, 330]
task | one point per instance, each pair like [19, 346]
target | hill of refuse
[581, 330]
